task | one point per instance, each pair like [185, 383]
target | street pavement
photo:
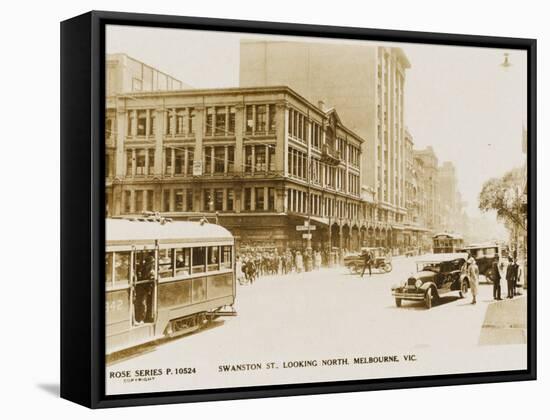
[333, 310]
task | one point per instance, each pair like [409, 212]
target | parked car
[485, 255]
[436, 275]
[381, 260]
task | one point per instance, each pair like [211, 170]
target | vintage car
[381, 260]
[436, 275]
[485, 255]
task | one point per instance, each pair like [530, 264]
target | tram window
[122, 268]
[213, 258]
[226, 256]
[108, 268]
[182, 261]
[145, 265]
[166, 263]
[199, 259]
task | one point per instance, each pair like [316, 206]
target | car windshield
[433, 267]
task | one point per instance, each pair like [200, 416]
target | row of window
[260, 119]
[319, 206]
[259, 158]
[142, 266]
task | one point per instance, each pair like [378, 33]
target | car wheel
[428, 299]
[387, 267]
[398, 302]
[464, 288]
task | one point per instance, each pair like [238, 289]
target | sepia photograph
[295, 210]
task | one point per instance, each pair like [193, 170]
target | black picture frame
[83, 201]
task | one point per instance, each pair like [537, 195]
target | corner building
[249, 157]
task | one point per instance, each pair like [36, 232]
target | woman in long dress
[473, 276]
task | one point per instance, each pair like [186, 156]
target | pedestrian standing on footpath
[473, 276]
[511, 277]
[496, 280]
[299, 262]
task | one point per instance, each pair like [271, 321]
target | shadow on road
[412, 305]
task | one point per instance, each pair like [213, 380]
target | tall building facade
[430, 206]
[250, 157]
[366, 85]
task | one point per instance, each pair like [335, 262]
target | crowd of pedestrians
[253, 263]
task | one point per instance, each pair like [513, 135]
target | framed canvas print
[255, 209]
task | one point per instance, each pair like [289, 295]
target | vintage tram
[165, 278]
[445, 243]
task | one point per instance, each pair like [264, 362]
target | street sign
[307, 235]
[197, 168]
[301, 228]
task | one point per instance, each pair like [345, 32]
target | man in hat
[495, 277]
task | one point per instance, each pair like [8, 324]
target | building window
[207, 160]
[207, 200]
[140, 162]
[261, 118]
[151, 162]
[139, 201]
[230, 200]
[260, 199]
[221, 118]
[271, 157]
[179, 161]
[231, 121]
[179, 200]
[181, 121]
[218, 200]
[248, 158]
[129, 161]
[209, 121]
[219, 159]
[191, 120]
[249, 119]
[152, 123]
[166, 200]
[168, 161]
[127, 201]
[141, 123]
[260, 159]
[149, 202]
[189, 200]
[272, 118]
[230, 159]
[271, 199]
[247, 198]
[189, 161]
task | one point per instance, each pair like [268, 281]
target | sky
[459, 100]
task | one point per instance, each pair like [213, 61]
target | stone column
[120, 153]
[159, 137]
[281, 148]
[239, 126]
[199, 134]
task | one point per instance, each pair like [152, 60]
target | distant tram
[447, 243]
[165, 278]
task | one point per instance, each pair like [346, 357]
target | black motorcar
[437, 274]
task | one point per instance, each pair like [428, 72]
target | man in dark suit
[496, 280]
[367, 262]
[511, 277]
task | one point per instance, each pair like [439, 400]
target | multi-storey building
[366, 84]
[250, 157]
[430, 202]
[125, 74]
